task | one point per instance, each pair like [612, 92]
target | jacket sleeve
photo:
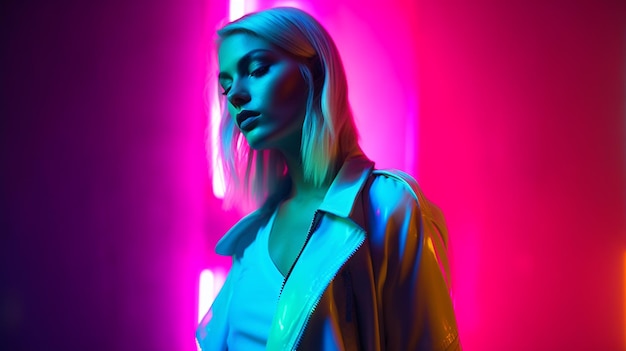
[408, 238]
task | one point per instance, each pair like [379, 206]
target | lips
[246, 119]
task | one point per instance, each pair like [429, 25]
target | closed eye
[257, 72]
[260, 71]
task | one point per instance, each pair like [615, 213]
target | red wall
[521, 142]
[107, 214]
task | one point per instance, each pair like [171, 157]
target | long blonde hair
[328, 133]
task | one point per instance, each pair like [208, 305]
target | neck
[305, 189]
[302, 188]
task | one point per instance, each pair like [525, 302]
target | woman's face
[265, 91]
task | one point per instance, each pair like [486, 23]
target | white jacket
[373, 274]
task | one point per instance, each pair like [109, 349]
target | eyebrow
[243, 61]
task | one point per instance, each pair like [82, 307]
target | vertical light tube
[236, 9]
[205, 293]
[219, 184]
[211, 282]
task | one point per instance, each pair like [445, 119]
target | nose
[238, 96]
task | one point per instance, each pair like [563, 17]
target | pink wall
[107, 211]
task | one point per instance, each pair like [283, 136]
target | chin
[262, 140]
[257, 144]
[256, 147]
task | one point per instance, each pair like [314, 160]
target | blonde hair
[329, 133]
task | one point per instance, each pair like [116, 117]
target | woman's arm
[409, 245]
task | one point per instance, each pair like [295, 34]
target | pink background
[511, 115]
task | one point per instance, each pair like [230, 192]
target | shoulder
[240, 235]
[396, 197]
[394, 219]
[391, 206]
[391, 188]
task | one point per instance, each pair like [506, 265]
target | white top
[254, 300]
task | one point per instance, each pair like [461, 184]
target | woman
[338, 256]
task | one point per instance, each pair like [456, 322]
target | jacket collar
[346, 186]
[339, 201]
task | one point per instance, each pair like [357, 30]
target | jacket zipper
[314, 223]
[306, 322]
